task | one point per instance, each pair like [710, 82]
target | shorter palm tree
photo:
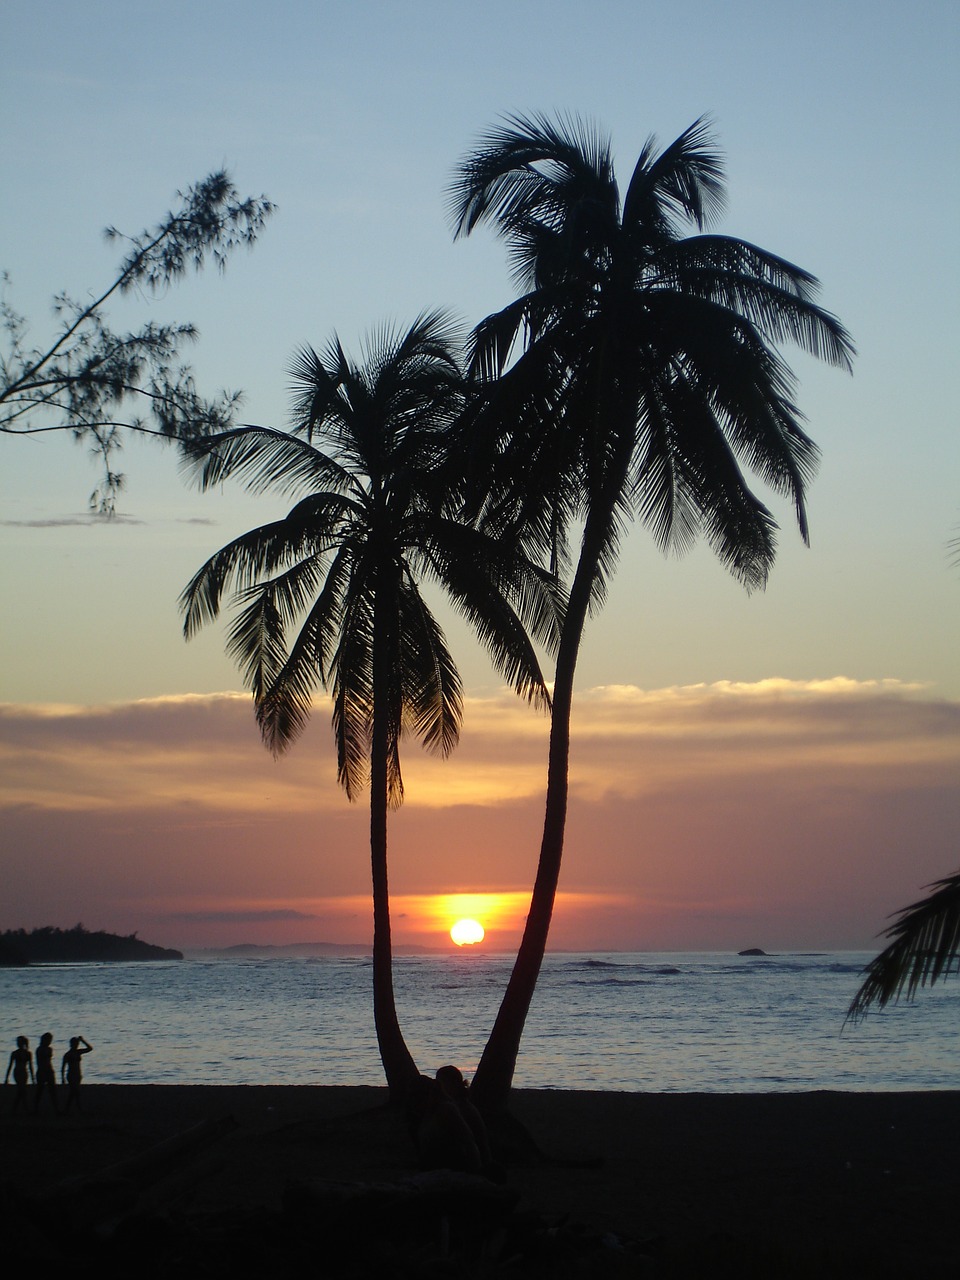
[329, 595]
[925, 948]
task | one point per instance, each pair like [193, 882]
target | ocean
[698, 1022]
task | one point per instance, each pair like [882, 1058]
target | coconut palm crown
[635, 377]
[329, 595]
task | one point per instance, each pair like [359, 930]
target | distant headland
[50, 945]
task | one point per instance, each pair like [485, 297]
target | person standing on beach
[46, 1079]
[21, 1064]
[70, 1070]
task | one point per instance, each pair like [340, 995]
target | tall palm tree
[634, 377]
[330, 596]
[925, 948]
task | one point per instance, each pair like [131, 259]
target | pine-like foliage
[97, 384]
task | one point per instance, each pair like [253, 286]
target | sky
[775, 770]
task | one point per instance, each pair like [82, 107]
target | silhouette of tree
[98, 384]
[647, 379]
[49, 944]
[330, 594]
[925, 948]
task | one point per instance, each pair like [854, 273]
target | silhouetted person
[447, 1127]
[454, 1087]
[21, 1064]
[70, 1070]
[46, 1079]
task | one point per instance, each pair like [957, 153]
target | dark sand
[772, 1185]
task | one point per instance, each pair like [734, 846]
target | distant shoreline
[20, 948]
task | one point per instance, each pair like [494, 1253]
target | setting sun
[467, 932]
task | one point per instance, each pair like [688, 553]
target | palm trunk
[494, 1076]
[490, 1088]
[398, 1064]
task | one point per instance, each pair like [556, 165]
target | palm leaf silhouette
[925, 947]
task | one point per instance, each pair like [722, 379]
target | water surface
[684, 1021]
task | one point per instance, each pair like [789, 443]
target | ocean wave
[609, 982]
[627, 966]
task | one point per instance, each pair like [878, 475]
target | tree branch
[89, 372]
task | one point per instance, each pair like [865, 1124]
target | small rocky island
[50, 945]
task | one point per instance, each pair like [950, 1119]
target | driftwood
[435, 1193]
[442, 1218]
[99, 1200]
[436, 1213]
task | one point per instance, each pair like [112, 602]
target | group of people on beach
[44, 1078]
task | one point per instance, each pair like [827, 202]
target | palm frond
[256, 639]
[353, 689]
[264, 459]
[723, 368]
[686, 179]
[530, 169]
[659, 498]
[433, 694]
[246, 562]
[430, 345]
[283, 708]
[772, 293]
[317, 391]
[351, 728]
[494, 339]
[505, 597]
[925, 948]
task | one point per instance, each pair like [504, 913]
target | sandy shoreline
[809, 1184]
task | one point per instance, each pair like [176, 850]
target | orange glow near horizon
[426, 919]
[498, 912]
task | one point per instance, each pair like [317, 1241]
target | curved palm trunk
[398, 1064]
[490, 1088]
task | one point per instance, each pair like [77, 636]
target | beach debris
[98, 1202]
[445, 1216]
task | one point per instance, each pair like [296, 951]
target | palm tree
[330, 596]
[647, 379]
[925, 947]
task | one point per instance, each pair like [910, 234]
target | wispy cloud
[241, 917]
[78, 521]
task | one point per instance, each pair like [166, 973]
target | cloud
[200, 756]
[192, 755]
[241, 917]
[70, 522]
[799, 812]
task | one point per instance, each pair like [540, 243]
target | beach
[661, 1185]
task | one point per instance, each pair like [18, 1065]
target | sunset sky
[779, 770]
